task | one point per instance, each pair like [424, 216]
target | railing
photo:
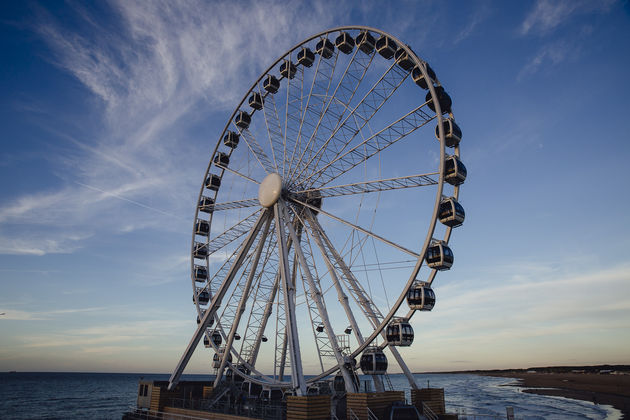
[428, 413]
[352, 415]
[371, 415]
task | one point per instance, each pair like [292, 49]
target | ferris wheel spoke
[257, 151]
[314, 103]
[242, 302]
[272, 123]
[233, 233]
[235, 172]
[216, 300]
[371, 146]
[355, 227]
[410, 181]
[336, 104]
[232, 205]
[347, 130]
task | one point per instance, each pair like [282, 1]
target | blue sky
[108, 112]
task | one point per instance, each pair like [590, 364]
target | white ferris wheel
[324, 214]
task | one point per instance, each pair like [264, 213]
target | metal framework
[310, 278]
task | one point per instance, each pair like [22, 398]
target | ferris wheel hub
[270, 190]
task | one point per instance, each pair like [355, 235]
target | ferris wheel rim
[420, 259]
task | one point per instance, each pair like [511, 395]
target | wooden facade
[310, 407]
[377, 402]
[432, 397]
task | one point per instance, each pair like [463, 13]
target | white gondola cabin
[288, 69]
[419, 78]
[242, 120]
[443, 98]
[201, 274]
[345, 43]
[386, 47]
[420, 296]
[452, 132]
[200, 250]
[231, 139]
[271, 84]
[256, 101]
[403, 59]
[451, 213]
[206, 204]
[439, 256]
[454, 171]
[221, 159]
[305, 57]
[399, 333]
[325, 48]
[365, 42]
[373, 361]
[202, 227]
[213, 182]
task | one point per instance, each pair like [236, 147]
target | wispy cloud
[156, 70]
[547, 14]
[474, 21]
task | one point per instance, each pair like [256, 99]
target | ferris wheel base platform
[198, 400]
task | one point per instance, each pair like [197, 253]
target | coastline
[613, 390]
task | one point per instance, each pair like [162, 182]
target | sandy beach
[600, 389]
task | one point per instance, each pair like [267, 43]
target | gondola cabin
[452, 132]
[451, 213]
[443, 98]
[420, 80]
[200, 250]
[365, 42]
[216, 359]
[403, 59]
[420, 297]
[373, 361]
[256, 101]
[325, 48]
[320, 328]
[454, 171]
[271, 84]
[305, 57]
[203, 297]
[202, 227]
[206, 204]
[439, 256]
[288, 69]
[399, 333]
[339, 383]
[206, 342]
[213, 182]
[386, 47]
[264, 339]
[345, 43]
[348, 330]
[216, 338]
[221, 159]
[242, 120]
[201, 274]
[237, 336]
[231, 139]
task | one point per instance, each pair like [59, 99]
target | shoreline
[612, 390]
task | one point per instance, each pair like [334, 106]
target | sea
[31, 395]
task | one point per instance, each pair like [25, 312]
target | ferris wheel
[325, 213]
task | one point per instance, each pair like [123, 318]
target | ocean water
[109, 395]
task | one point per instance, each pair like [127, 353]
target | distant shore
[579, 383]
